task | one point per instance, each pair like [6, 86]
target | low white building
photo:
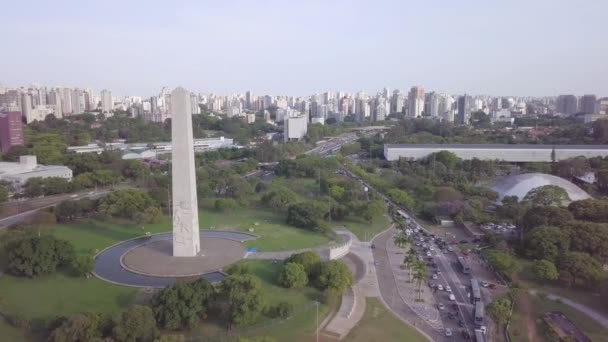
[200, 145]
[18, 173]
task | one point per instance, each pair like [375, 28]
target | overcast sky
[499, 47]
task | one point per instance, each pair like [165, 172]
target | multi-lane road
[46, 202]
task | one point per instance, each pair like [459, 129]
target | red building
[11, 130]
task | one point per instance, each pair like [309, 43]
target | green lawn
[379, 324]
[10, 333]
[58, 294]
[274, 234]
[366, 231]
[298, 328]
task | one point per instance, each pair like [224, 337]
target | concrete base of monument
[147, 261]
[156, 258]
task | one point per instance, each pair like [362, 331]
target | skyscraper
[415, 100]
[11, 130]
[464, 110]
[66, 101]
[106, 101]
[587, 104]
[566, 104]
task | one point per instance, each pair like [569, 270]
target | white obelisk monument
[186, 239]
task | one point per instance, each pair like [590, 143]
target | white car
[440, 287]
[483, 329]
[440, 306]
[448, 288]
[452, 297]
[428, 254]
[434, 277]
[431, 248]
[448, 332]
[485, 284]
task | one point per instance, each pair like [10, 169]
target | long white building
[18, 173]
[505, 152]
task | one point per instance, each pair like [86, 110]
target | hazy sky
[500, 47]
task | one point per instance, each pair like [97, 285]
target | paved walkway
[596, 316]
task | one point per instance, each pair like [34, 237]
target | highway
[48, 202]
[448, 276]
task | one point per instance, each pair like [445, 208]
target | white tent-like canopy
[520, 185]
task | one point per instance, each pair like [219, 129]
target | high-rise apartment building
[107, 106]
[566, 104]
[11, 130]
[464, 110]
[587, 104]
[415, 100]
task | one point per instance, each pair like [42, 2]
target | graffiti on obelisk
[186, 239]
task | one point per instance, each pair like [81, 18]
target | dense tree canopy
[335, 276]
[136, 324]
[182, 305]
[547, 195]
[595, 210]
[293, 275]
[126, 203]
[36, 256]
[308, 215]
[243, 298]
[309, 260]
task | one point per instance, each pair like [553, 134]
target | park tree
[225, 204]
[307, 215]
[500, 310]
[602, 180]
[547, 195]
[81, 163]
[577, 266]
[402, 198]
[182, 305]
[77, 327]
[3, 193]
[600, 131]
[544, 216]
[447, 158]
[134, 169]
[547, 243]
[420, 275]
[126, 203]
[595, 210]
[370, 210]
[545, 270]
[105, 177]
[243, 299]
[84, 180]
[83, 265]
[279, 198]
[149, 215]
[335, 276]
[588, 237]
[34, 256]
[501, 261]
[447, 194]
[572, 168]
[136, 324]
[309, 261]
[293, 275]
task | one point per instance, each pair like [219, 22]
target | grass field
[366, 231]
[300, 327]
[9, 333]
[58, 294]
[379, 324]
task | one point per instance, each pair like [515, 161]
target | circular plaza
[148, 261]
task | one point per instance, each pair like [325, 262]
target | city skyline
[511, 48]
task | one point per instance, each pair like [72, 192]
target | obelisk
[186, 239]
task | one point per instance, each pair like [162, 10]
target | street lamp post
[317, 329]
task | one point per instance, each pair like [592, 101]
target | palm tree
[420, 275]
[400, 240]
[411, 256]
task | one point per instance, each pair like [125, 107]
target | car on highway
[485, 284]
[440, 306]
[434, 277]
[452, 297]
[428, 254]
[448, 288]
[448, 332]
[440, 287]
